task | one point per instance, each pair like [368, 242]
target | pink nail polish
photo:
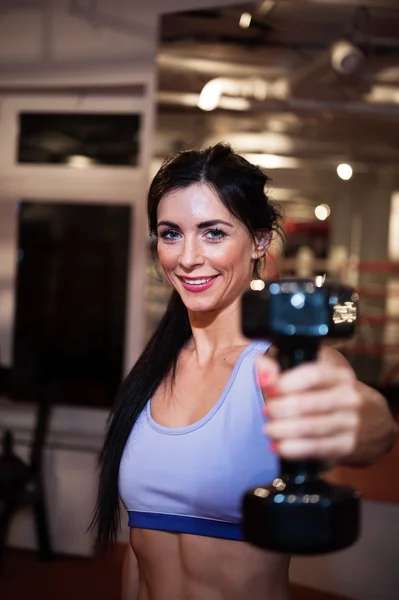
[272, 391]
[273, 446]
[264, 378]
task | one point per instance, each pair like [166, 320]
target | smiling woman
[207, 250]
[187, 437]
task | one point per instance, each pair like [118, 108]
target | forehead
[198, 202]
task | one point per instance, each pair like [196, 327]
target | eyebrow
[202, 225]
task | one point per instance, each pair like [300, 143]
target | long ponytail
[157, 361]
[241, 188]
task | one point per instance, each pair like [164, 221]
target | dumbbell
[299, 512]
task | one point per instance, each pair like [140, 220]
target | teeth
[197, 281]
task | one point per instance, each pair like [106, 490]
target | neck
[213, 332]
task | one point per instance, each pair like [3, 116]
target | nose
[191, 255]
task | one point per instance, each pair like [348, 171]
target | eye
[215, 234]
[168, 234]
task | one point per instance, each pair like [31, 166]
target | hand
[313, 410]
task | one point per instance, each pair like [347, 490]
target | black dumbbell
[299, 512]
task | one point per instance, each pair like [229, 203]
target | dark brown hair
[241, 187]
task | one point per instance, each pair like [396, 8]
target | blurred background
[94, 94]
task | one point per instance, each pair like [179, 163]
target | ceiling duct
[343, 57]
[255, 88]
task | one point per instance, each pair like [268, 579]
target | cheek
[237, 256]
[167, 257]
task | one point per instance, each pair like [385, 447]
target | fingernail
[273, 446]
[263, 378]
[272, 391]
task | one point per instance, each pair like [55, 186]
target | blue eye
[215, 234]
[169, 234]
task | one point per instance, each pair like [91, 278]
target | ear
[261, 245]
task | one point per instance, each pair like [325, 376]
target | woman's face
[205, 252]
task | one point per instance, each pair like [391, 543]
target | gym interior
[94, 95]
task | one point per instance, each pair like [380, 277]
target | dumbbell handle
[291, 355]
[292, 352]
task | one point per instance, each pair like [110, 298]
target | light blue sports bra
[192, 479]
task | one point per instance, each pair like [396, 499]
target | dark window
[69, 326]
[81, 140]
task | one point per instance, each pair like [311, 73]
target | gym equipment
[299, 512]
[22, 484]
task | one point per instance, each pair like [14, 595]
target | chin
[199, 304]
[205, 305]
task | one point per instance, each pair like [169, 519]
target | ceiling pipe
[344, 57]
[293, 105]
[349, 108]
[210, 67]
[190, 99]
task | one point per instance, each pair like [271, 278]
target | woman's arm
[320, 410]
[377, 431]
[130, 576]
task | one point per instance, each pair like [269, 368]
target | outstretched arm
[320, 410]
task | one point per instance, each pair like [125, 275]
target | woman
[186, 438]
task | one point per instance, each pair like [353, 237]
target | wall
[99, 56]
[105, 42]
[7, 275]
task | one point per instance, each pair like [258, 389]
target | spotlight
[346, 58]
[344, 171]
[245, 20]
[322, 212]
[257, 285]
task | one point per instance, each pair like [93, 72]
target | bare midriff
[179, 566]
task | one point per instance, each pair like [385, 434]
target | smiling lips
[197, 284]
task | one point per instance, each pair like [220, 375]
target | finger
[313, 402]
[319, 426]
[317, 374]
[336, 447]
[267, 370]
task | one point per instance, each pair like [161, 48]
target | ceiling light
[257, 285]
[344, 171]
[272, 161]
[79, 161]
[319, 280]
[385, 94]
[266, 7]
[245, 20]
[345, 57]
[322, 212]
[237, 89]
[211, 93]
[276, 125]
[272, 143]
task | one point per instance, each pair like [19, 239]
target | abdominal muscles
[177, 566]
